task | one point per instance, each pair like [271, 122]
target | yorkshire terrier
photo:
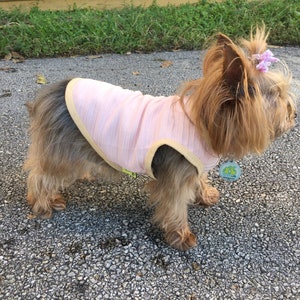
[84, 127]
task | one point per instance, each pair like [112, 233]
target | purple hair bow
[264, 60]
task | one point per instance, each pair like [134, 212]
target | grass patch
[88, 31]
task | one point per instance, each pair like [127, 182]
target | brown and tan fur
[237, 110]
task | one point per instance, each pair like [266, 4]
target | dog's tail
[46, 98]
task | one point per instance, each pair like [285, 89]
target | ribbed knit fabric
[126, 127]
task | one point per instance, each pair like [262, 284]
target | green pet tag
[230, 171]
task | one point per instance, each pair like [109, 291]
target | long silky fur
[236, 109]
[237, 120]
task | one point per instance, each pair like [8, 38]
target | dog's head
[241, 103]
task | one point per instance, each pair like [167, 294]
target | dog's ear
[233, 67]
[223, 39]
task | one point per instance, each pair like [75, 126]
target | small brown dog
[84, 127]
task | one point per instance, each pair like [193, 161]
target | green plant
[87, 31]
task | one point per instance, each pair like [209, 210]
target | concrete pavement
[104, 246]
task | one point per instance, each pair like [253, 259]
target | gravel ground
[104, 245]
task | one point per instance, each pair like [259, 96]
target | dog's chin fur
[236, 109]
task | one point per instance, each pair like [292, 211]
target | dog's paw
[181, 239]
[58, 202]
[209, 196]
[39, 208]
[30, 199]
[87, 176]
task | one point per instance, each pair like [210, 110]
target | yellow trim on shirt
[77, 120]
[191, 157]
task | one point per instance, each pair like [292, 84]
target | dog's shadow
[115, 211]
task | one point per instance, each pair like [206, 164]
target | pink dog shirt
[126, 127]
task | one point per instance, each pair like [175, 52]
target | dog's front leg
[207, 194]
[171, 193]
[171, 212]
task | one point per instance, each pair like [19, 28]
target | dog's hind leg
[58, 154]
[48, 176]
[43, 193]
